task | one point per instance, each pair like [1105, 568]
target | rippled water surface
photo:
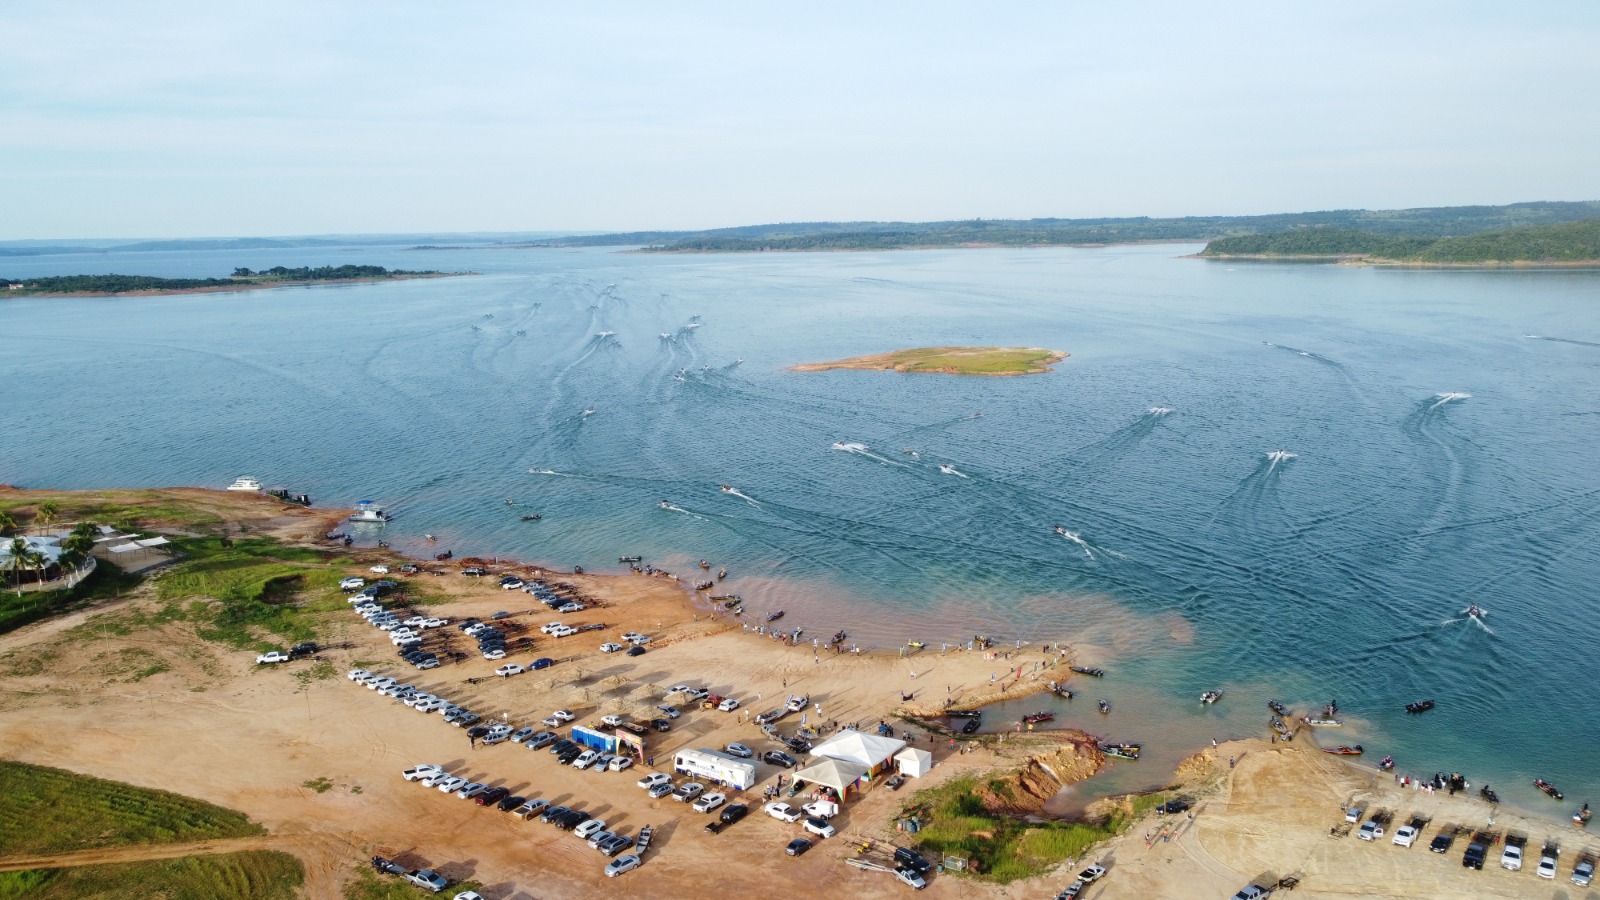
[1438, 427]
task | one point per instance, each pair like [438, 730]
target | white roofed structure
[870, 750]
[840, 775]
[914, 762]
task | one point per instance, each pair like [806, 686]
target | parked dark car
[734, 813]
[511, 802]
[911, 859]
[1173, 806]
[572, 820]
[553, 813]
[1473, 858]
[491, 796]
[568, 755]
[543, 662]
[661, 724]
[477, 731]
[635, 651]
[778, 758]
[797, 847]
[560, 747]
[1443, 840]
[305, 649]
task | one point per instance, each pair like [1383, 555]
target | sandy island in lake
[127, 689]
[950, 361]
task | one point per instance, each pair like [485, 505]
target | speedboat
[604, 334]
[1547, 787]
[630, 559]
[1035, 718]
[1322, 721]
[666, 336]
[664, 504]
[1344, 751]
[1387, 764]
[692, 325]
[1085, 670]
[1277, 707]
[367, 511]
[1420, 706]
[246, 483]
[1488, 795]
[1581, 817]
[1210, 697]
[1279, 456]
[725, 488]
[1105, 706]
[1475, 611]
[533, 518]
[1061, 530]
[1121, 751]
[948, 469]
[773, 617]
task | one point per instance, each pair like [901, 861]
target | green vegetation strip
[47, 810]
[1568, 242]
[1004, 848]
[250, 875]
[369, 885]
[235, 595]
[117, 284]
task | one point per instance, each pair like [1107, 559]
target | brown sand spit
[950, 361]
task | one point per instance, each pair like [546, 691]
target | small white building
[719, 768]
[914, 762]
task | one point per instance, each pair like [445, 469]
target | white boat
[246, 483]
[367, 511]
[666, 336]
[1278, 456]
[604, 334]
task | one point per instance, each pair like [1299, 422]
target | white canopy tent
[914, 762]
[833, 773]
[870, 750]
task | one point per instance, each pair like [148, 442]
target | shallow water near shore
[1438, 427]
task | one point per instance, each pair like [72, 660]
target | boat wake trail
[550, 472]
[1124, 439]
[1159, 411]
[951, 470]
[1091, 550]
[672, 507]
[735, 492]
[1538, 337]
[1446, 397]
[864, 450]
[1075, 538]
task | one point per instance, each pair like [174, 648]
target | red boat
[1344, 751]
[1037, 717]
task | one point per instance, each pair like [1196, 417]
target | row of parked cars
[583, 825]
[1477, 851]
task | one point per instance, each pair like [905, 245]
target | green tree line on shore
[1566, 242]
[118, 284]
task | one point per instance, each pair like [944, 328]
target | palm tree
[8, 524]
[47, 513]
[17, 560]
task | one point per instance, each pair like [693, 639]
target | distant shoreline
[230, 288]
[1358, 259]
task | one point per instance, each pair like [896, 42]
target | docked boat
[1332, 709]
[1387, 764]
[1488, 795]
[1210, 697]
[1036, 718]
[246, 483]
[1581, 817]
[1343, 750]
[705, 585]
[775, 616]
[1280, 726]
[972, 726]
[1086, 670]
[1278, 708]
[367, 511]
[1547, 787]
[838, 637]
[1420, 706]
[1105, 706]
[1120, 751]
[963, 714]
[1321, 721]
[1060, 690]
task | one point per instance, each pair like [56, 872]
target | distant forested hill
[1426, 222]
[242, 278]
[1565, 243]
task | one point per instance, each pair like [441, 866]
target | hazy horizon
[305, 120]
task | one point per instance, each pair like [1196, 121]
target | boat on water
[1343, 750]
[246, 483]
[1035, 718]
[630, 559]
[704, 565]
[664, 504]
[1419, 706]
[532, 518]
[773, 617]
[1332, 709]
[1277, 707]
[1488, 795]
[1060, 690]
[1280, 726]
[1321, 721]
[368, 511]
[1210, 697]
[604, 334]
[838, 637]
[948, 469]
[725, 488]
[972, 726]
[963, 714]
[1387, 764]
[1278, 456]
[666, 335]
[1547, 787]
[1581, 817]
[1474, 611]
[1105, 706]
[1086, 670]
[1120, 751]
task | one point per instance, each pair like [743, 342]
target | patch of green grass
[250, 875]
[320, 784]
[369, 885]
[237, 594]
[107, 581]
[1003, 848]
[321, 671]
[49, 810]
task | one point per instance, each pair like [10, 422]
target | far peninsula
[950, 361]
[242, 280]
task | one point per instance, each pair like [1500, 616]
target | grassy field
[128, 510]
[951, 361]
[248, 593]
[17, 610]
[369, 885]
[48, 810]
[251, 875]
[1003, 848]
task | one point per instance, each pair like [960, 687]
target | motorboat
[1120, 751]
[773, 617]
[1036, 718]
[1086, 670]
[1387, 764]
[1105, 706]
[1322, 721]
[246, 483]
[1060, 690]
[1343, 750]
[1581, 817]
[725, 488]
[664, 504]
[1210, 697]
[704, 564]
[1420, 706]
[1488, 795]
[604, 334]
[963, 714]
[1332, 709]
[1475, 611]
[722, 573]
[1061, 530]
[948, 469]
[368, 511]
[704, 585]
[532, 518]
[1278, 456]
[1280, 726]
[630, 559]
[1547, 787]
[972, 726]
[666, 336]
[1277, 707]
[838, 637]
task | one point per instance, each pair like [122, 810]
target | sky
[166, 119]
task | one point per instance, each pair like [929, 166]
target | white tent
[914, 762]
[126, 548]
[834, 773]
[153, 542]
[869, 750]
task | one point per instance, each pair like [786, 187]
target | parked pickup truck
[276, 656]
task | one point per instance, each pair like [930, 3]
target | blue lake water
[1195, 562]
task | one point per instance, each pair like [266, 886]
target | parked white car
[585, 759]
[618, 763]
[379, 570]
[353, 583]
[709, 802]
[653, 779]
[1405, 835]
[276, 656]
[610, 647]
[356, 674]
[728, 705]
[820, 828]
[782, 811]
[622, 864]
[551, 628]
[509, 669]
